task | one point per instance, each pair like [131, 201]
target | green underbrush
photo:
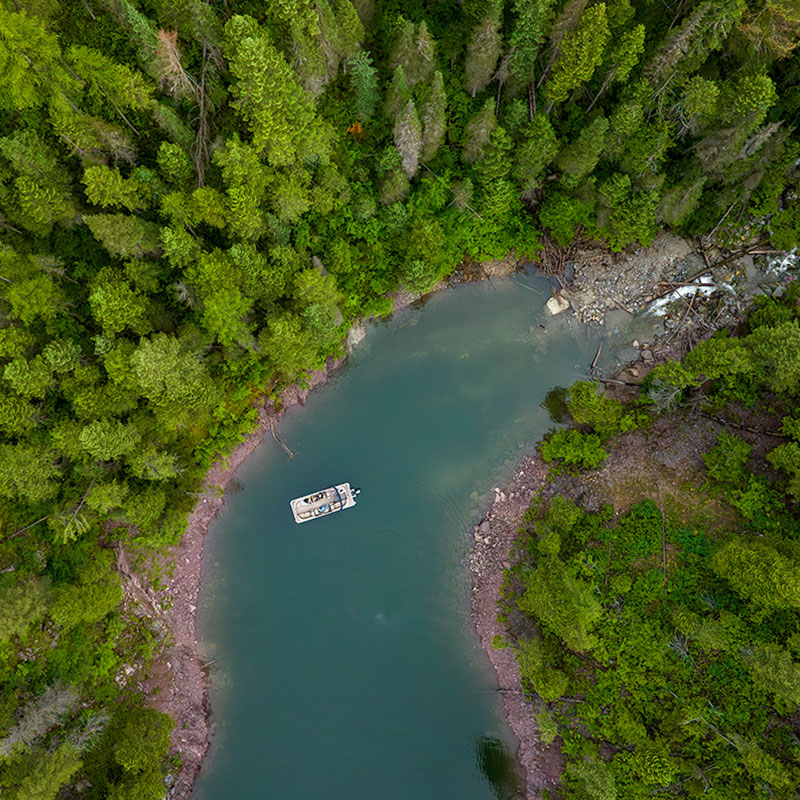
[661, 644]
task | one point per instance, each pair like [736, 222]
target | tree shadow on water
[555, 403]
[499, 767]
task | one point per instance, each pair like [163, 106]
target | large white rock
[557, 304]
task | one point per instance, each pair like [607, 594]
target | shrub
[582, 450]
[726, 461]
[605, 416]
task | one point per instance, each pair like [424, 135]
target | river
[345, 665]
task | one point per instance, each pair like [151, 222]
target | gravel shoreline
[494, 536]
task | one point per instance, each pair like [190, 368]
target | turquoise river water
[345, 665]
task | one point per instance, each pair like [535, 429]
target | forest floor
[598, 282]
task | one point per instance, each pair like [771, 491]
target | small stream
[345, 666]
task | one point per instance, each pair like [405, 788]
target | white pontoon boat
[324, 502]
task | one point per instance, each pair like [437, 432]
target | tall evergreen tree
[408, 139]
[434, 118]
[581, 51]
[477, 133]
[364, 82]
[279, 113]
[397, 95]
[484, 47]
[529, 31]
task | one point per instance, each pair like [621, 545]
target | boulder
[557, 304]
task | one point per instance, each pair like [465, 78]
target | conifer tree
[530, 30]
[124, 234]
[484, 47]
[38, 193]
[394, 183]
[401, 53]
[477, 133]
[30, 62]
[626, 216]
[364, 81]
[408, 139]
[698, 103]
[397, 95]
[425, 51]
[534, 152]
[579, 158]
[118, 84]
[350, 30]
[623, 54]
[414, 50]
[434, 118]
[245, 183]
[748, 97]
[278, 112]
[774, 29]
[581, 51]
[105, 186]
[702, 32]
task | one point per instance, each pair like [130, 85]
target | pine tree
[477, 133]
[678, 202]
[120, 85]
[29, 62]
[277, 110]
[124, 234]
[748, 97]
[402, 49]
[701, 33]
[623, 54]
[537, 148]
[350, 30]
[484, 47]
[530, 29]
[580, 53]
[40, 193]
[408, 139]
[434, 118]
[625, 216]
[495, 166]
[105, 186]
[364, 82]
[394, 183]
[311, 61]
[698, 103]
[425, 50]
[774, 30]
[414, 50]
[89, 137]
[245, 180]
[397, 95]
[580, 157]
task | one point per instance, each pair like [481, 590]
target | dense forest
[197, 199]
[661, 642]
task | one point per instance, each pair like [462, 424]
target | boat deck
[322, 503]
